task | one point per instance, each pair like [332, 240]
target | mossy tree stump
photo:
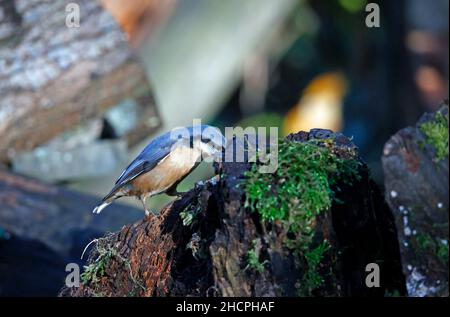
[217, 240]
[415, 163]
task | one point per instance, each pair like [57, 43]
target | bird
[165, 162]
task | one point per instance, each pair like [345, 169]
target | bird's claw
[149, 212]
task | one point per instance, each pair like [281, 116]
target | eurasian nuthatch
[165, 162]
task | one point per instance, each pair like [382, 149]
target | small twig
[87, 246]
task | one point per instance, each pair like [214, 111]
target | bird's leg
[177, 193]
[143, 200]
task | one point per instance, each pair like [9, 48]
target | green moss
[424, 242]
[253, 257]
[187, 217]
[436, 132]
[94, 271]
[97, 268]
[393, 293]
[189, 214]
[303, 186]
[312, 279]
[427, 245]
[442, 253]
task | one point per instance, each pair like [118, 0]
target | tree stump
[415, 163]
[214, 242]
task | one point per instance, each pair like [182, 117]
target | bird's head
[207, 139]
[210, 141]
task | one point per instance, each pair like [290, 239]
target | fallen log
[415, 164]
[54, 77]
[55, 216]
[218, 240]
[42, 229]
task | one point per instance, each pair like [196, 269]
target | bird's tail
[100, 207]
[108, 199]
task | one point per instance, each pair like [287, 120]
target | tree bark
[416, 182]
[161, 256]
[54, 77]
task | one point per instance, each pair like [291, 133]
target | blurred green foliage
[353, 5]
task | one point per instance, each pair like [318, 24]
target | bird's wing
[156, 151]
[145, 162]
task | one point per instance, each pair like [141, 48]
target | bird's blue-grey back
[152, 154]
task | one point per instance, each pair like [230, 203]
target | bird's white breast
[182, 157]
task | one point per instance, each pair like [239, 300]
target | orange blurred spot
[431, 84]
[138, 18]
[320, 105]
[421, 42]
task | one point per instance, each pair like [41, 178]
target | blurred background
[77, 104]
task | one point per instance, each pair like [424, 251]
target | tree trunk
[208, 243]
[415, 163]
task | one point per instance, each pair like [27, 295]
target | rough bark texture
[160, 256]
[417, 191]
[54, 77]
